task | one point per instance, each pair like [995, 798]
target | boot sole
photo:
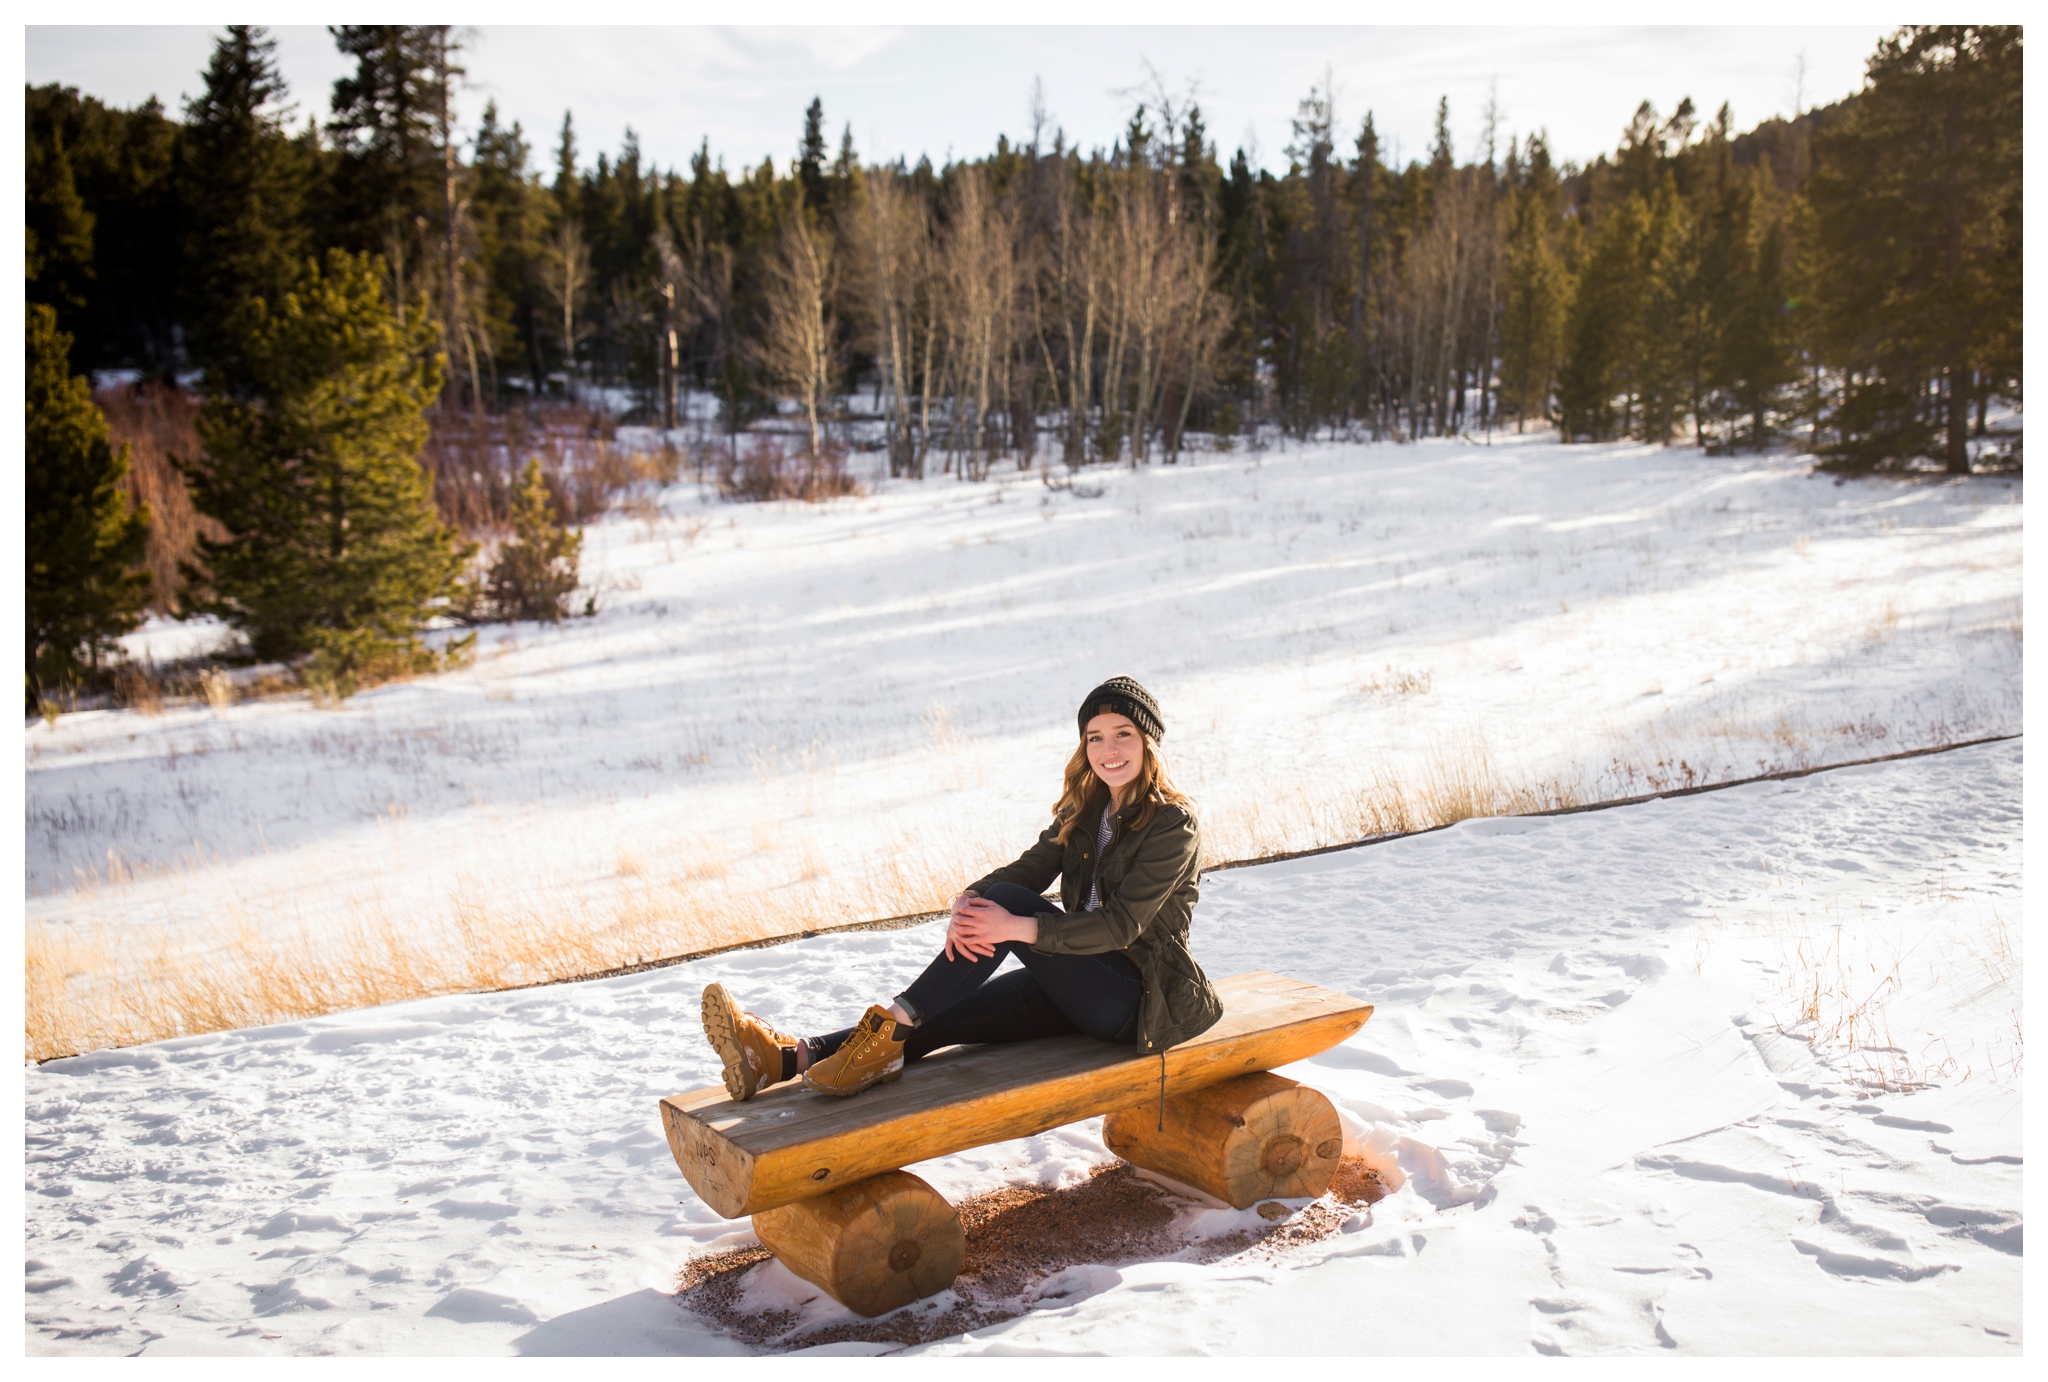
[721, 1029]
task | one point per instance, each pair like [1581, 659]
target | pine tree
[84, 544]
[385, 122]
[241, 188]
[810, 159]
[534, 573]
[1916, 202]
[124, 250]
[842, 188]
[1603, 329]
[1755, 353]
[1659, 366]
[566, 180]
[1538, 292]
[333, 546]
[1699, 290]
[1367, 174]
[59, 229]
[508, 226]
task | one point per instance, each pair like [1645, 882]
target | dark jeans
[957, 1002]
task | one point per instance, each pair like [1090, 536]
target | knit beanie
[1123, 696]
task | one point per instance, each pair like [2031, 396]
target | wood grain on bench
[788, 1143]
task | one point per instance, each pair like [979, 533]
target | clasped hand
[978, 926]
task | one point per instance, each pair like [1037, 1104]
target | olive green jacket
[1149, 880]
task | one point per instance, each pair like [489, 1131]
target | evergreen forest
[349, 324]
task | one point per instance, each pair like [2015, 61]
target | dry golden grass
[1461, 782]
[1391, 683]
[104, 989]
[706, 862]
[219, 689]
[134, 688]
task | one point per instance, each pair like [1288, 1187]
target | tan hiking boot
[872, 1055]
[750, 1049]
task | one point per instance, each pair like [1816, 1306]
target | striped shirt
[1101, 844]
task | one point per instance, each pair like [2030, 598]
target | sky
[921, 89]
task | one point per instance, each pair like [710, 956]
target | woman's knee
[1015, 899]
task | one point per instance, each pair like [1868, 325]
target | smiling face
[1116, 750]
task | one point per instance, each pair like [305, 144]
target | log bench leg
[873, 1245]
[1257, 1137]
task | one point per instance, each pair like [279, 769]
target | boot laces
[870, 1033]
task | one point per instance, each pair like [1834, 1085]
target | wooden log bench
[822, 1176]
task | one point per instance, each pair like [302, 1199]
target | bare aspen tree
[445, 73]
[1442, 303]
[1199, 321]
[1114, 248]
[1007, 336]
[1070, 301]
[1486, 227]
[889, 235]
[1138, 300]
[708, 281]
[676, 308]
[470, 339]
[925, 340]
[795, 348]
[1168, 321]
[565, 278]
[1119, 299]
[978, 286]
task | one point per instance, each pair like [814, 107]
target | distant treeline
[1853, 272]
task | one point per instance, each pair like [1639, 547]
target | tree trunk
[447, 79]
[1958, 420]
[924, 397]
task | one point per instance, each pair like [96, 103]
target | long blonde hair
[1082, 793]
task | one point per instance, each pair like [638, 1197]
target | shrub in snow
[533, 574]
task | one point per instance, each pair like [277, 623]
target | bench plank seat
[789, 1144]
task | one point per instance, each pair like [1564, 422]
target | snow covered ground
[789, 716]
[1729, 1073]
[1732, 1073]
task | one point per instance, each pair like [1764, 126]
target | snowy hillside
[1590, 1068]
[786, 717]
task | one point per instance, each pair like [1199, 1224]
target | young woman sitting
[1111, 960]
